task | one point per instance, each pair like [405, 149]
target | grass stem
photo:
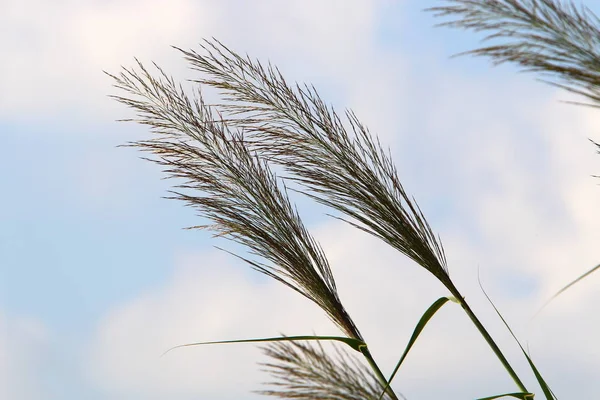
[365, 351]
[488, 339]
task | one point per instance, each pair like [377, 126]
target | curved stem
[488, 338]
[365, 351]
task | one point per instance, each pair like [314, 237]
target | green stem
[488, 339]
[365, 351]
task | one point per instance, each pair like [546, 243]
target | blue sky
[97, 278]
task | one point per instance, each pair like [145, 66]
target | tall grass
[223, 155]
[560, 41]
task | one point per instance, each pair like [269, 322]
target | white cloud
[24, 343]
[56, 63]
[208, 299]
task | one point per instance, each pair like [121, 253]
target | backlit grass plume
[231, 187]
[337, 162]
[308, 372]
[559, 40]
[343, 167]
[223, 153]
[237, 191]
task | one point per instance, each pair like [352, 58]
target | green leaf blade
[353, 343]
[429, 313]
[545, 388]
[561, 291]
[517, 395]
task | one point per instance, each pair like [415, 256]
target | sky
[98, 278]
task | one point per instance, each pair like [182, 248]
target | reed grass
[560, 41]
[224, 153]
[557, 40]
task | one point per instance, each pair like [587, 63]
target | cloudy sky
[97, 278]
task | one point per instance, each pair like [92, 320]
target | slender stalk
[365, 351]
[488, 339]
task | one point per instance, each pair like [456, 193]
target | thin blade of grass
[418, 329]
[518, 395]
[545, 388]
[354, 343]
[597, 267]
